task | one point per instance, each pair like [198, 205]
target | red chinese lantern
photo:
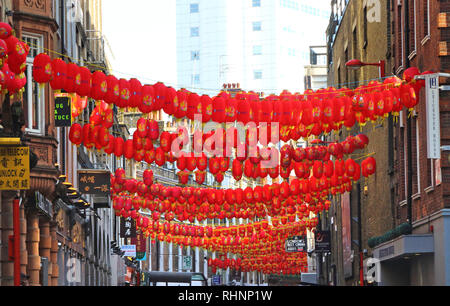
[207, 108]
[350, 167]
[119, 145]
[230, 110]
[112, 95]
[160, 95]
[165, 141]
[160, 158]
[59, 74]
[86, 82]
[76, 134]
[243, 108]
[181, 110]
[218, 114]
[5, 30]
[148, 99]
[200, 177]
[129, 149]
[191, 163]
[124, 93]
[42, 68]
[153, 130]
[202, 162]
[135, 93]
[99, 86]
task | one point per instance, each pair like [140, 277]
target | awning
[404, 246]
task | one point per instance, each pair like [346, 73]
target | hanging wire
[342, 85]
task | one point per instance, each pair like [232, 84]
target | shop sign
[296, 244]
[322, 241]
[63, 112]
[130, 250]
[14, 168]
[127, 227]
[96, 182]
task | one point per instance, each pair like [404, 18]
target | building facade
[359, 30]
[420, 36]
[62, 243]
[257, 43]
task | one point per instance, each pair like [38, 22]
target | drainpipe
[409, 121]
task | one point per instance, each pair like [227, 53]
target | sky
[142, 37]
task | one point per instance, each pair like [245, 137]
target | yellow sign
[14, 168]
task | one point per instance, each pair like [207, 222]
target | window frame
[30, 88]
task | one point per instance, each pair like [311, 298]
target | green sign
[63, 112]
[187, 262]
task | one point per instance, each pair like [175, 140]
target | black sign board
[322, 241]
[63, 112]
[94, 182]
[127, 228]
[296, 244]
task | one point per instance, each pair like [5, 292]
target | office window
[257, 26]
[195, 32]
[196, 79]
[256, 3]
[34, 95]
[257, 50]
[194, 8]
[257, 74]
[195, 55]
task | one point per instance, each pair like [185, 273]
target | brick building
[420, 39]
[359, 30]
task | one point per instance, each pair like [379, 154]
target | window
[256, 3]
[257, 74]
[195, 55]
[413, 29]
[365, 27]
[194, 8]
[196, 79]
[257, 26]
[426, 18]
[257, 50]
[195, 32]
[34, 95]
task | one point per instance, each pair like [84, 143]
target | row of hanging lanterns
[13, 61]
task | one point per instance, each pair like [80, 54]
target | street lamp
[356, 64]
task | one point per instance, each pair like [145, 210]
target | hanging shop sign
[14, 168]
[63, 112]
[433, 119]
[322, 241]
[296, 244]
[141, 245]
[94, 182]
[127, 227]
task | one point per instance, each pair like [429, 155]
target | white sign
[130, 250]
[187, 262]
[433, 119]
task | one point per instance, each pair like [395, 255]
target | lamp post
[356, 64]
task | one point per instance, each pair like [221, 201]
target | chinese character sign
[94, 182]
[127, 228]
[14, 168]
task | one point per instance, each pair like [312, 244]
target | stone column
[23, 241]
[45, 245]
[7, 229]
[34, 260]
[54, 256]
